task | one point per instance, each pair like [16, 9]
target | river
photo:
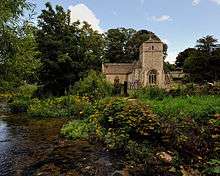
[33, 147]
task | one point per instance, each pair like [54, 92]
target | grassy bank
[166, 135]
[200, 108]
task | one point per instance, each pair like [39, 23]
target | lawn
[197, 107]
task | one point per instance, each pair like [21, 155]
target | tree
[206, 43]
[17, 43]
[123, 44]
[198, 67]
[182, 56]
[117, 44]
[68, 51]
[203, 63]
[169, 67]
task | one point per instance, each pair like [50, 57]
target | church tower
[151, 58]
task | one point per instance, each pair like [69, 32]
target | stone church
[147, 71]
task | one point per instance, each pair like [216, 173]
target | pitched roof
[117, 68]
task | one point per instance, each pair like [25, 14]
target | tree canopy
[17, 42]
[122, 45]
[201, 62]
[68, 51]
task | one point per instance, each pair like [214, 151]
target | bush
[6, 86]
[150, 93]
[94, 86]
[27, 90]
[19, 104]
[67, 106]
[120, 123]
[22, 98]
[129, 128]
[78, 129]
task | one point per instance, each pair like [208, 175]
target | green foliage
[201, 63]
[198, 107]
[129, 128]
[121, 123]
[169, 67]
[182, 56]
[21, 100]
[17, 43]
[19, 104]
[150, 93]
[122, 45]
[213, 167]
[6, 86]
[68, 50]
[94, 86]
[77, 129]
[27, 90]
[67, 106]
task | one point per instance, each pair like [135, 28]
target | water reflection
[24, 141]
[33, 147]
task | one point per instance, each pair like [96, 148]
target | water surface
[34, 147]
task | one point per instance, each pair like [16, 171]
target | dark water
[33, 147]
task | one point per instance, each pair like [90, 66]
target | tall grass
[197, 107]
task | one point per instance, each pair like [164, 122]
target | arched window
[152, 77]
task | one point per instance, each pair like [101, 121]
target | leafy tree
[203, 64]
[169, 67]
[94, 86]
[198, 68]
[206, 43]
[123, 44]
[68, 50]
[182, 56]
[17, 43]
[117, 44]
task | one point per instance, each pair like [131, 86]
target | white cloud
[216, 1]
[82, 13]
[195, 2]
[162, 18]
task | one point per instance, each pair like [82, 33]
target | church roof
[117, 68]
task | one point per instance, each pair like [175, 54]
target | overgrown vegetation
[95, 86]
[67, 106]
[22, 98]
[129, 127]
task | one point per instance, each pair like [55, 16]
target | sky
[179, 23]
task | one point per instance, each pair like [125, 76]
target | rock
[88, 167]
[164, 156]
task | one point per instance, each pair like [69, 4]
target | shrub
[67, 106]
[129, 128]
[150, 93]
[27, 90]
[21, 100]
[121, 123]
[19, 104]
[78, 129]
[94, 86]
[6, 86]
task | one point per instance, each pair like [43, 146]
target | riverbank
[34, 147]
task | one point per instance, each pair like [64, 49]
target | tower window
[152, 47]
[152, 76]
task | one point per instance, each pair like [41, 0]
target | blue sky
[178, 22]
